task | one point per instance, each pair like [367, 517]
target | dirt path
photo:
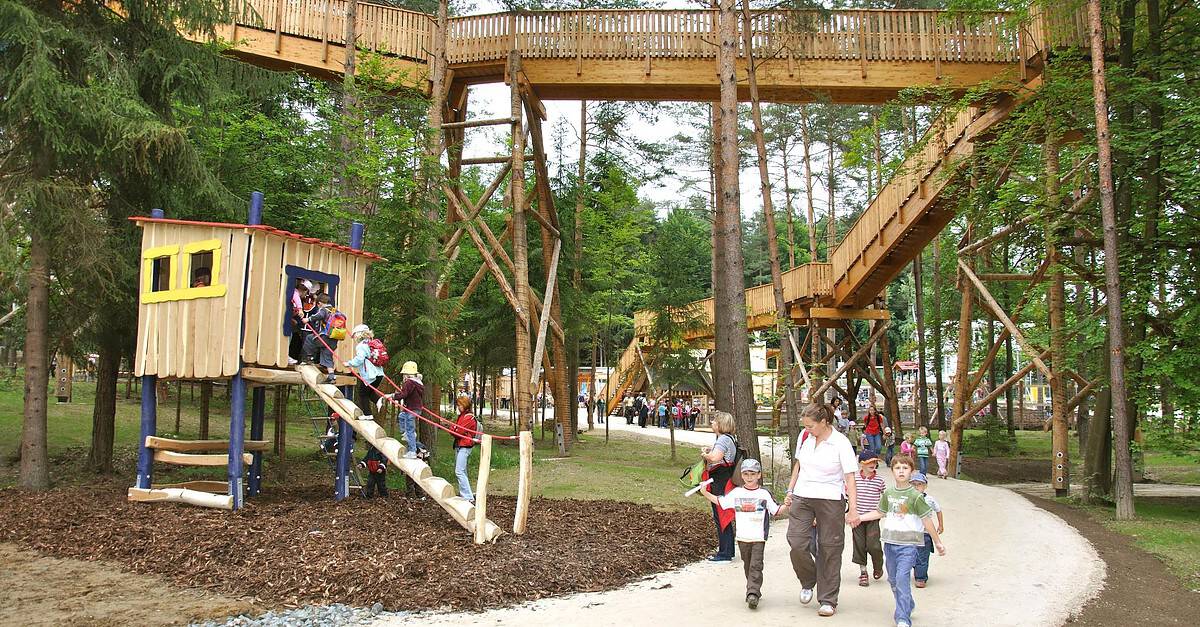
[1139, 589]
[49, 591]
[1009, 563]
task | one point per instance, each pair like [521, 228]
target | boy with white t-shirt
[753, 507]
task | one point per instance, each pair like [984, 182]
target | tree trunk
[922, 395]
[783, 322]
[35, 473]
[1123, 487]
[939, 383]
[577, 273]
[1097, 458]
[720, 362]
[962, 400]
[520, 244]
[1061, 470]
[731, 334]
[104, 410]
[1008, 354]
[791, 213]
[806, 142]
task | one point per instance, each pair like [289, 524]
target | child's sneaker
[752, 601]
[826, 610]
[806, 596]
[410, 455]
[863, 579]
[920, 584]
[902, 624]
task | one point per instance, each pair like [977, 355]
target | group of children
[317, 327]
[922, 448]
[897, 532]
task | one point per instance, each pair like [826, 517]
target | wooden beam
[487, 160]
[998, 235]
[180, 495]
[271, 376]
[853, 358]
[185, 446]
[545, 321]
[215, 487]
[476, 123]
[994, 394]
[1003, 318]
[188, 459]
[837, 313]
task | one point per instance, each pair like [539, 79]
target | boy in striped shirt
[870, 487]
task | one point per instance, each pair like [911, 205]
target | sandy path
[1008, 563]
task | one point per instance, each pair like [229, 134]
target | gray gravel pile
[308, 616]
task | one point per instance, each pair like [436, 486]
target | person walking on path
[643, 413]
[753, 508]
[719, 459]
[870, 487]
[366, 393]
[466, 434]
[873, 429]
[412, 394]
[924, 448]
[921, 568]
[941, 452]
[905, 519]
[889, 445]
[822, 473]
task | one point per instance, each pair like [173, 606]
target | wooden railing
[888, 204]
[863, 35]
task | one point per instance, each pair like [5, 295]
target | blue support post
[345, 453]
[256, 204]
[258, 411]
[145, 464]
[356, 235]
[237, 436]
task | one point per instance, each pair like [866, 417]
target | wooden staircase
[438, 489]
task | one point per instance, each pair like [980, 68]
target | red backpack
[378, 352]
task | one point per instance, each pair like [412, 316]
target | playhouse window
[201, 264]
[160, 274]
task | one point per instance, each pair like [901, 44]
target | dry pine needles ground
[302, 547]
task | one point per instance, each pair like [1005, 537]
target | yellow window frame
[183, 269]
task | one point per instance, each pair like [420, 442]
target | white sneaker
[366, 417]
[806, 596]
[903, 624]
[292, 362]
[410, 455]
[826, 610]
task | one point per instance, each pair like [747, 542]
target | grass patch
[1166, 527]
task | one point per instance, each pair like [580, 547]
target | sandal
[862, 580]
[920, 584]
[878, 575]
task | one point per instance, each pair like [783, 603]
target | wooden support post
[524, 481]
[237, 435]
[961, 371]
[149, 426]
[258, 410]
[545, 317]
[324, 32]
[345, 444]
[481, 488]
[1002, 317]
[1061, 470]
[278, 46]
[524, 399]
[205, 401]
[280, 407]
[852, 361]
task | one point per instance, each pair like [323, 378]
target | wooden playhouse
[214, 302]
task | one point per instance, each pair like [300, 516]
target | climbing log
[481, 487]
[524, 481]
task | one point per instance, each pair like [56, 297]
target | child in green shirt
[924, 446]
[905, 519]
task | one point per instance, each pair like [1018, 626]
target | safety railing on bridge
[865, 35]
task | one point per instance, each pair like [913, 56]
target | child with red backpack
[376, 467]
[370, 356]
[330, 327]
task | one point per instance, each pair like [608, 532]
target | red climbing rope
[458, 431]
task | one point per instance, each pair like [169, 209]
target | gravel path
[1008, 563]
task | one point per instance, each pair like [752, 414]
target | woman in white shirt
[822, 476]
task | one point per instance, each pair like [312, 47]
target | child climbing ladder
[438, 489]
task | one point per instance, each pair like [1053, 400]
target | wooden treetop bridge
[848, 56]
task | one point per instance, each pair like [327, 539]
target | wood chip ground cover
[299, 547]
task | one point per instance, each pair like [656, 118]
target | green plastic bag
[692, 475]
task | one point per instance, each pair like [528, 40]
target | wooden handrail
[863, 35]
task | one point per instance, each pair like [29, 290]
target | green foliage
[995, 440]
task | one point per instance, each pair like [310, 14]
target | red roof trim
[268, 229]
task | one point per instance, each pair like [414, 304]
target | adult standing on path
[873, 429]
[822, 473]
[719, 460]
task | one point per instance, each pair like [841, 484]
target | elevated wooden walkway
[851, 56]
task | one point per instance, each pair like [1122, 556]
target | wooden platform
[192, 459]
[185, 446]
[273, 376]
